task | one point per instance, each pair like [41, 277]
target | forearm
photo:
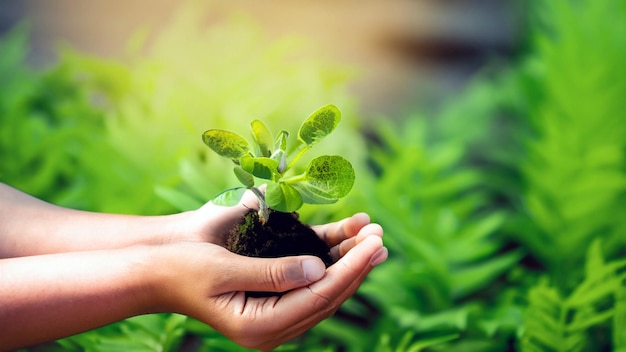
[48, 297]
[29, 226]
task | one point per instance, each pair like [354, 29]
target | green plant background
[503, 212]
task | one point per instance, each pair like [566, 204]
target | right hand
[207, 282]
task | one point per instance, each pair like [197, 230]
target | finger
[342, 248]
[340, 282]
[301, 309]
[270, 274]
[335, 232]
[250, 200]
[325, 307]
[341, 275]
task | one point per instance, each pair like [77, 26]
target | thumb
[274, 274]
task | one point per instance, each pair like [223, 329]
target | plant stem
[294, 179]
[298, 156]
[264, 213]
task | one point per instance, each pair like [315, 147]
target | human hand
[207, 282]
[211, 223]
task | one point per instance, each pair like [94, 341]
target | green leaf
[281, 140]
[312, 194]
[262, 137]
[243, 176]
[330, 175]
[282, 197]
[229, 197]
[262, 167]
[320, 124]
[227, 144]
[469, 279]
[590, 321]
[281, 157]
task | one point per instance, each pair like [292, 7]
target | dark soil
[282, 235]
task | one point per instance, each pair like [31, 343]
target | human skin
[66, 271]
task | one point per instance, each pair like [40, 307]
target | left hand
[211, 223]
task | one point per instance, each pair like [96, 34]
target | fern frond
[573, 165]
[430, 203]
[556, 323]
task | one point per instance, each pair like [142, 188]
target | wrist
[160, 273]
[148, 277]
[177, 227]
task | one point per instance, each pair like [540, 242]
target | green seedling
[325, 180]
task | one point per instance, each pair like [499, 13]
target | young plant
[325, 180]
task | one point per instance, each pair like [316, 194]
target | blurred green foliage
[503, 212]
[48, 123]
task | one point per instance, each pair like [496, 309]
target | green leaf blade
[282, 197]
[281, 140]
[312, 194]
[243, 176]
[331, 175]
[319, 124]
[262, 137]
[264, 168]
[229, 197]
[227, 144]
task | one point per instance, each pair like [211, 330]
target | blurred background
[410, 53]
[487, 137]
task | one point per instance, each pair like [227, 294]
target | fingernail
[379, 257]
[313, 269]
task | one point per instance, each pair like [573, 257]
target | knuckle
[275, 276]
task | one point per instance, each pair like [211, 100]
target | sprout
[325, 180]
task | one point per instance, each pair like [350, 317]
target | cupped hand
[207, 282]
[211, 223]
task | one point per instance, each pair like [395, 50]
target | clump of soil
[282, 235]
